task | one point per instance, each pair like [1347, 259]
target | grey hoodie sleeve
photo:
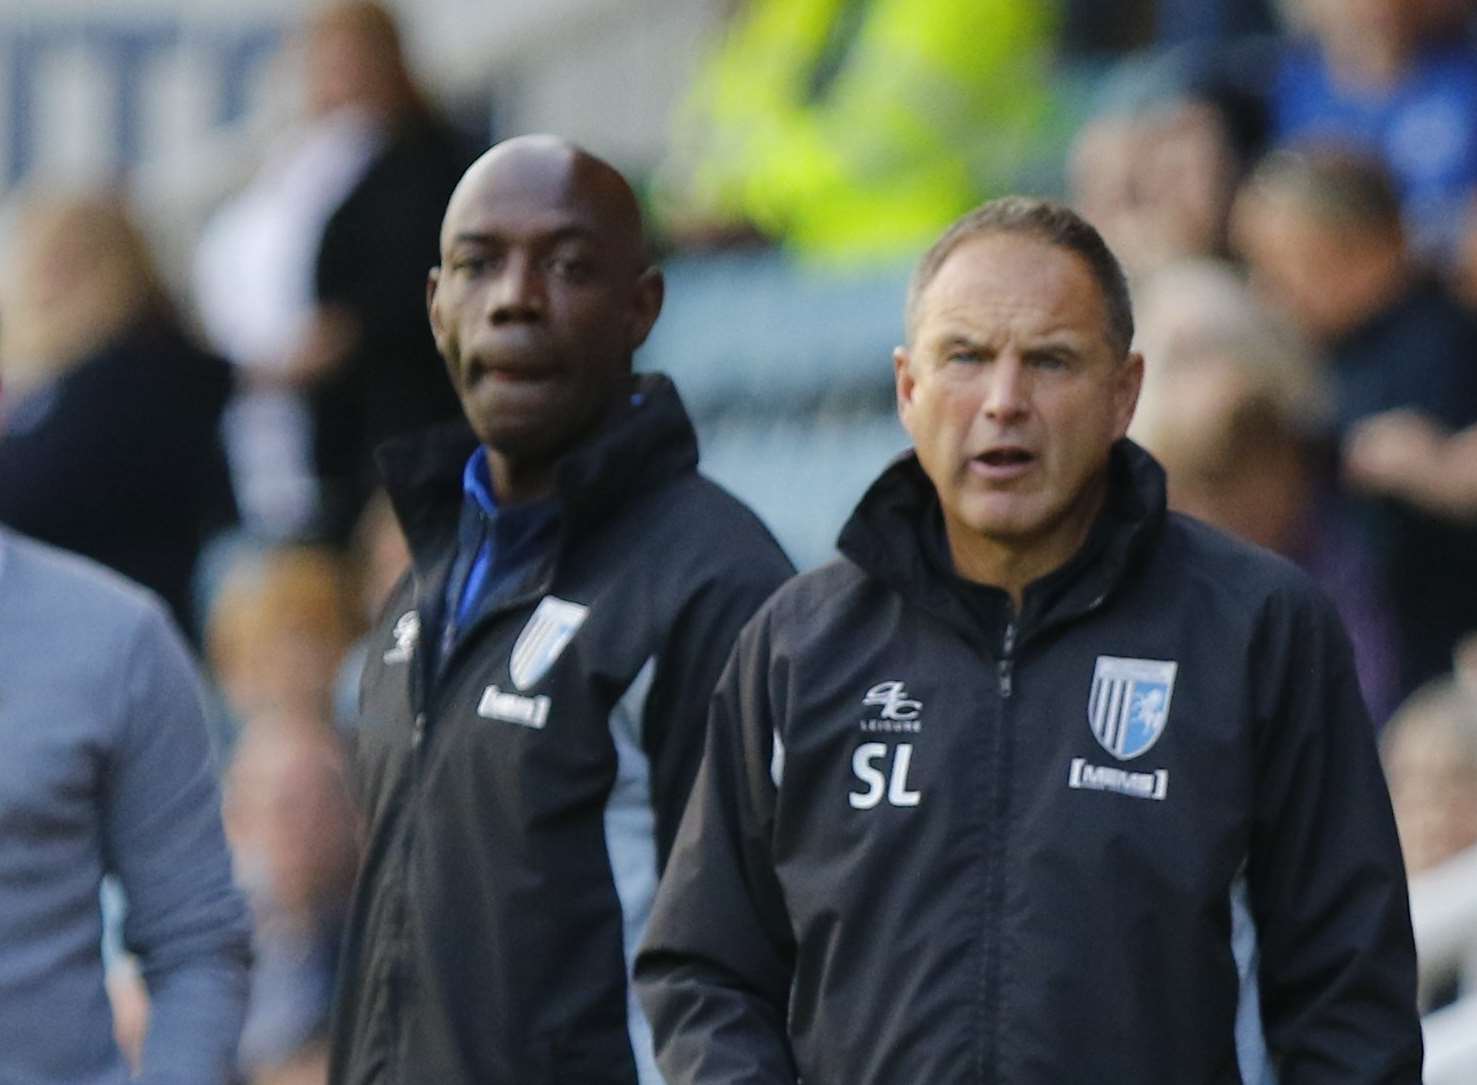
[162, 836]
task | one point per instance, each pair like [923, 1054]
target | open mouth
[1005, 457]
[502, 372]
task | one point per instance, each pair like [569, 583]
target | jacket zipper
[1005, 666]
[1004, 674]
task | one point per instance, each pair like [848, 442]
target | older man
[534, 707]
[1022, 787]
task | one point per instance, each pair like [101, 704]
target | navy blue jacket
[522, 794]
[933, 841]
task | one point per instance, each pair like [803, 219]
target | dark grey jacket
[522, 801]
[934, 843]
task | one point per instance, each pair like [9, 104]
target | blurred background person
[312, 280]
[292, 828]
[1430, 756]
[1404, 455]
[1323, 234]
[1396, 79]
[852, 132]
[1094, 29]
[1430, 753]
[1156, 170]
[109, 438]
[1232, 407]
[278, 630]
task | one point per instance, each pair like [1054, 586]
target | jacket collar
[896, 536]
[647, 440]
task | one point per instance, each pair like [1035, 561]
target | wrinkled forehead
[1003, 280]
[551, 191]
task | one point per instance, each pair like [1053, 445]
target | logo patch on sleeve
[1129, 703]
[406, 632]
[550, 629]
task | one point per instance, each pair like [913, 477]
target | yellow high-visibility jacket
[933, 107]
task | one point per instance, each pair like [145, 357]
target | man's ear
[1127, 383]
[902, 371]
[433, 281]
[646, 304]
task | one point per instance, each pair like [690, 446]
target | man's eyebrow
[955, 338]
[573, 231]
[1058, 343]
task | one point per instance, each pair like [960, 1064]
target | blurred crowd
[1294, 193]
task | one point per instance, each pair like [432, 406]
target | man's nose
[518, 292]
[1007, 391]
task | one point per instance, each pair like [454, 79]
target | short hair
[1047, 221]
[1340, 186]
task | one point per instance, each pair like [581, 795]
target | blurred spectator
[292, 829]
[1396, 78]
[1404, 455]
[106, 770]
[1323, 234]
[109, 443]
[1231, 406]
[1197, 308]
[332, 244]
[1430, 752]
[1211, 20]
[854, 130]
[278, 631]
[1091, 28]
[1157, 177]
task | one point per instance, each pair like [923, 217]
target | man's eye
[1049, 362]
[470, 265]
[964, 357]
[572, 268]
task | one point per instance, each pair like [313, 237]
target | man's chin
[1000, 518]
[528, 440]
[521, 444]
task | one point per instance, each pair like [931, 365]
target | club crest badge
[1129, 703]
[548, 632]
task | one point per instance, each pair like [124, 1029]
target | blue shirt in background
[1424, 129]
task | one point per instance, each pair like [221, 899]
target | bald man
[534, 705]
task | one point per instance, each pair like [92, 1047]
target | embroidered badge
[1129, 703]
[406, 632]
[548, 632]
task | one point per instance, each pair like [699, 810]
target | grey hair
[1044, 220]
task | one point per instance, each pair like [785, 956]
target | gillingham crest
[553, 625]
[1129, 703]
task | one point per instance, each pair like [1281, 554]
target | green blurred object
[854, 130]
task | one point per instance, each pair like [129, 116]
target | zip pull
[1007, 662]
[418, 732]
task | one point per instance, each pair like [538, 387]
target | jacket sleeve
[1327, 882]
[714, 971]
[162, 835]
[694, 650]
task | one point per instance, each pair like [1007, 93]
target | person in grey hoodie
[105, 769]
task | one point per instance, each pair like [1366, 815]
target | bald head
[551, 171]
[543, 293]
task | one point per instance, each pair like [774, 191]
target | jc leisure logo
[880, 776]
